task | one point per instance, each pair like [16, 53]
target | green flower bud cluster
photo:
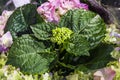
[59, 35]
[79, 75]
[110, 38]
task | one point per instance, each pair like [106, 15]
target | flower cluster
[5, 39]
[3, 19]
[104, 74]
[60, 35]
[53, 9]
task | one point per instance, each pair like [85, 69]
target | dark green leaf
[41, 1]
[30, 55]
[86, 23]
[66, 65]
[100, 56]
[21, 19]
[77, 45]
[82, 68]
[43, 31]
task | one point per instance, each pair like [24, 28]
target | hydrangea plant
[59, 37]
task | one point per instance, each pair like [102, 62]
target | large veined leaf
[21, 19]
[100, 56]
[30, 55]
[77, 45]
[43, 30]
[86, 23]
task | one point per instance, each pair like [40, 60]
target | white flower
[45, 76]
[5, 41]
[19, 3]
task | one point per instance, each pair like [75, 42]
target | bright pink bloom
[53, 9]
[5, 41]
[48, 11]
[80, 5]
[104, 74]
[66, 5]
[55, 3]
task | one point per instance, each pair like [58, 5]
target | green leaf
[30, 55]
[77, 45]
[100, 56]
[41, 1]
[21, 19]
[86, 23]
[66, 65]
[43, 30]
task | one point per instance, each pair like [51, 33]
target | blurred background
[114, 7]
[6, 5]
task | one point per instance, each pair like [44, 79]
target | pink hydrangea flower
[53, 9]
[3, 19]
[2, 25]
[66, 5]
[104, 74]
[6, 14]
[5, 39]
[48, 11]
[5, 42]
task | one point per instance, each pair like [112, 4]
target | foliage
[102, 57]
[21, 19]
[39, 46]
[86, 23]
[32, 56]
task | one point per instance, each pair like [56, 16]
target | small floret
[59, 35]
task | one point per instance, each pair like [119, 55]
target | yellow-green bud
[59, 35]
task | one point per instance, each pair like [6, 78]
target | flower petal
[104, 74]
[5, 41]
[19, 3]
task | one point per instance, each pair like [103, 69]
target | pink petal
[7, 39]
[3, 19]
[6, 14]
[84, 6]
[104, 74]
[53, 9]
[55, 3]
[1, 30]
[48, 11]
